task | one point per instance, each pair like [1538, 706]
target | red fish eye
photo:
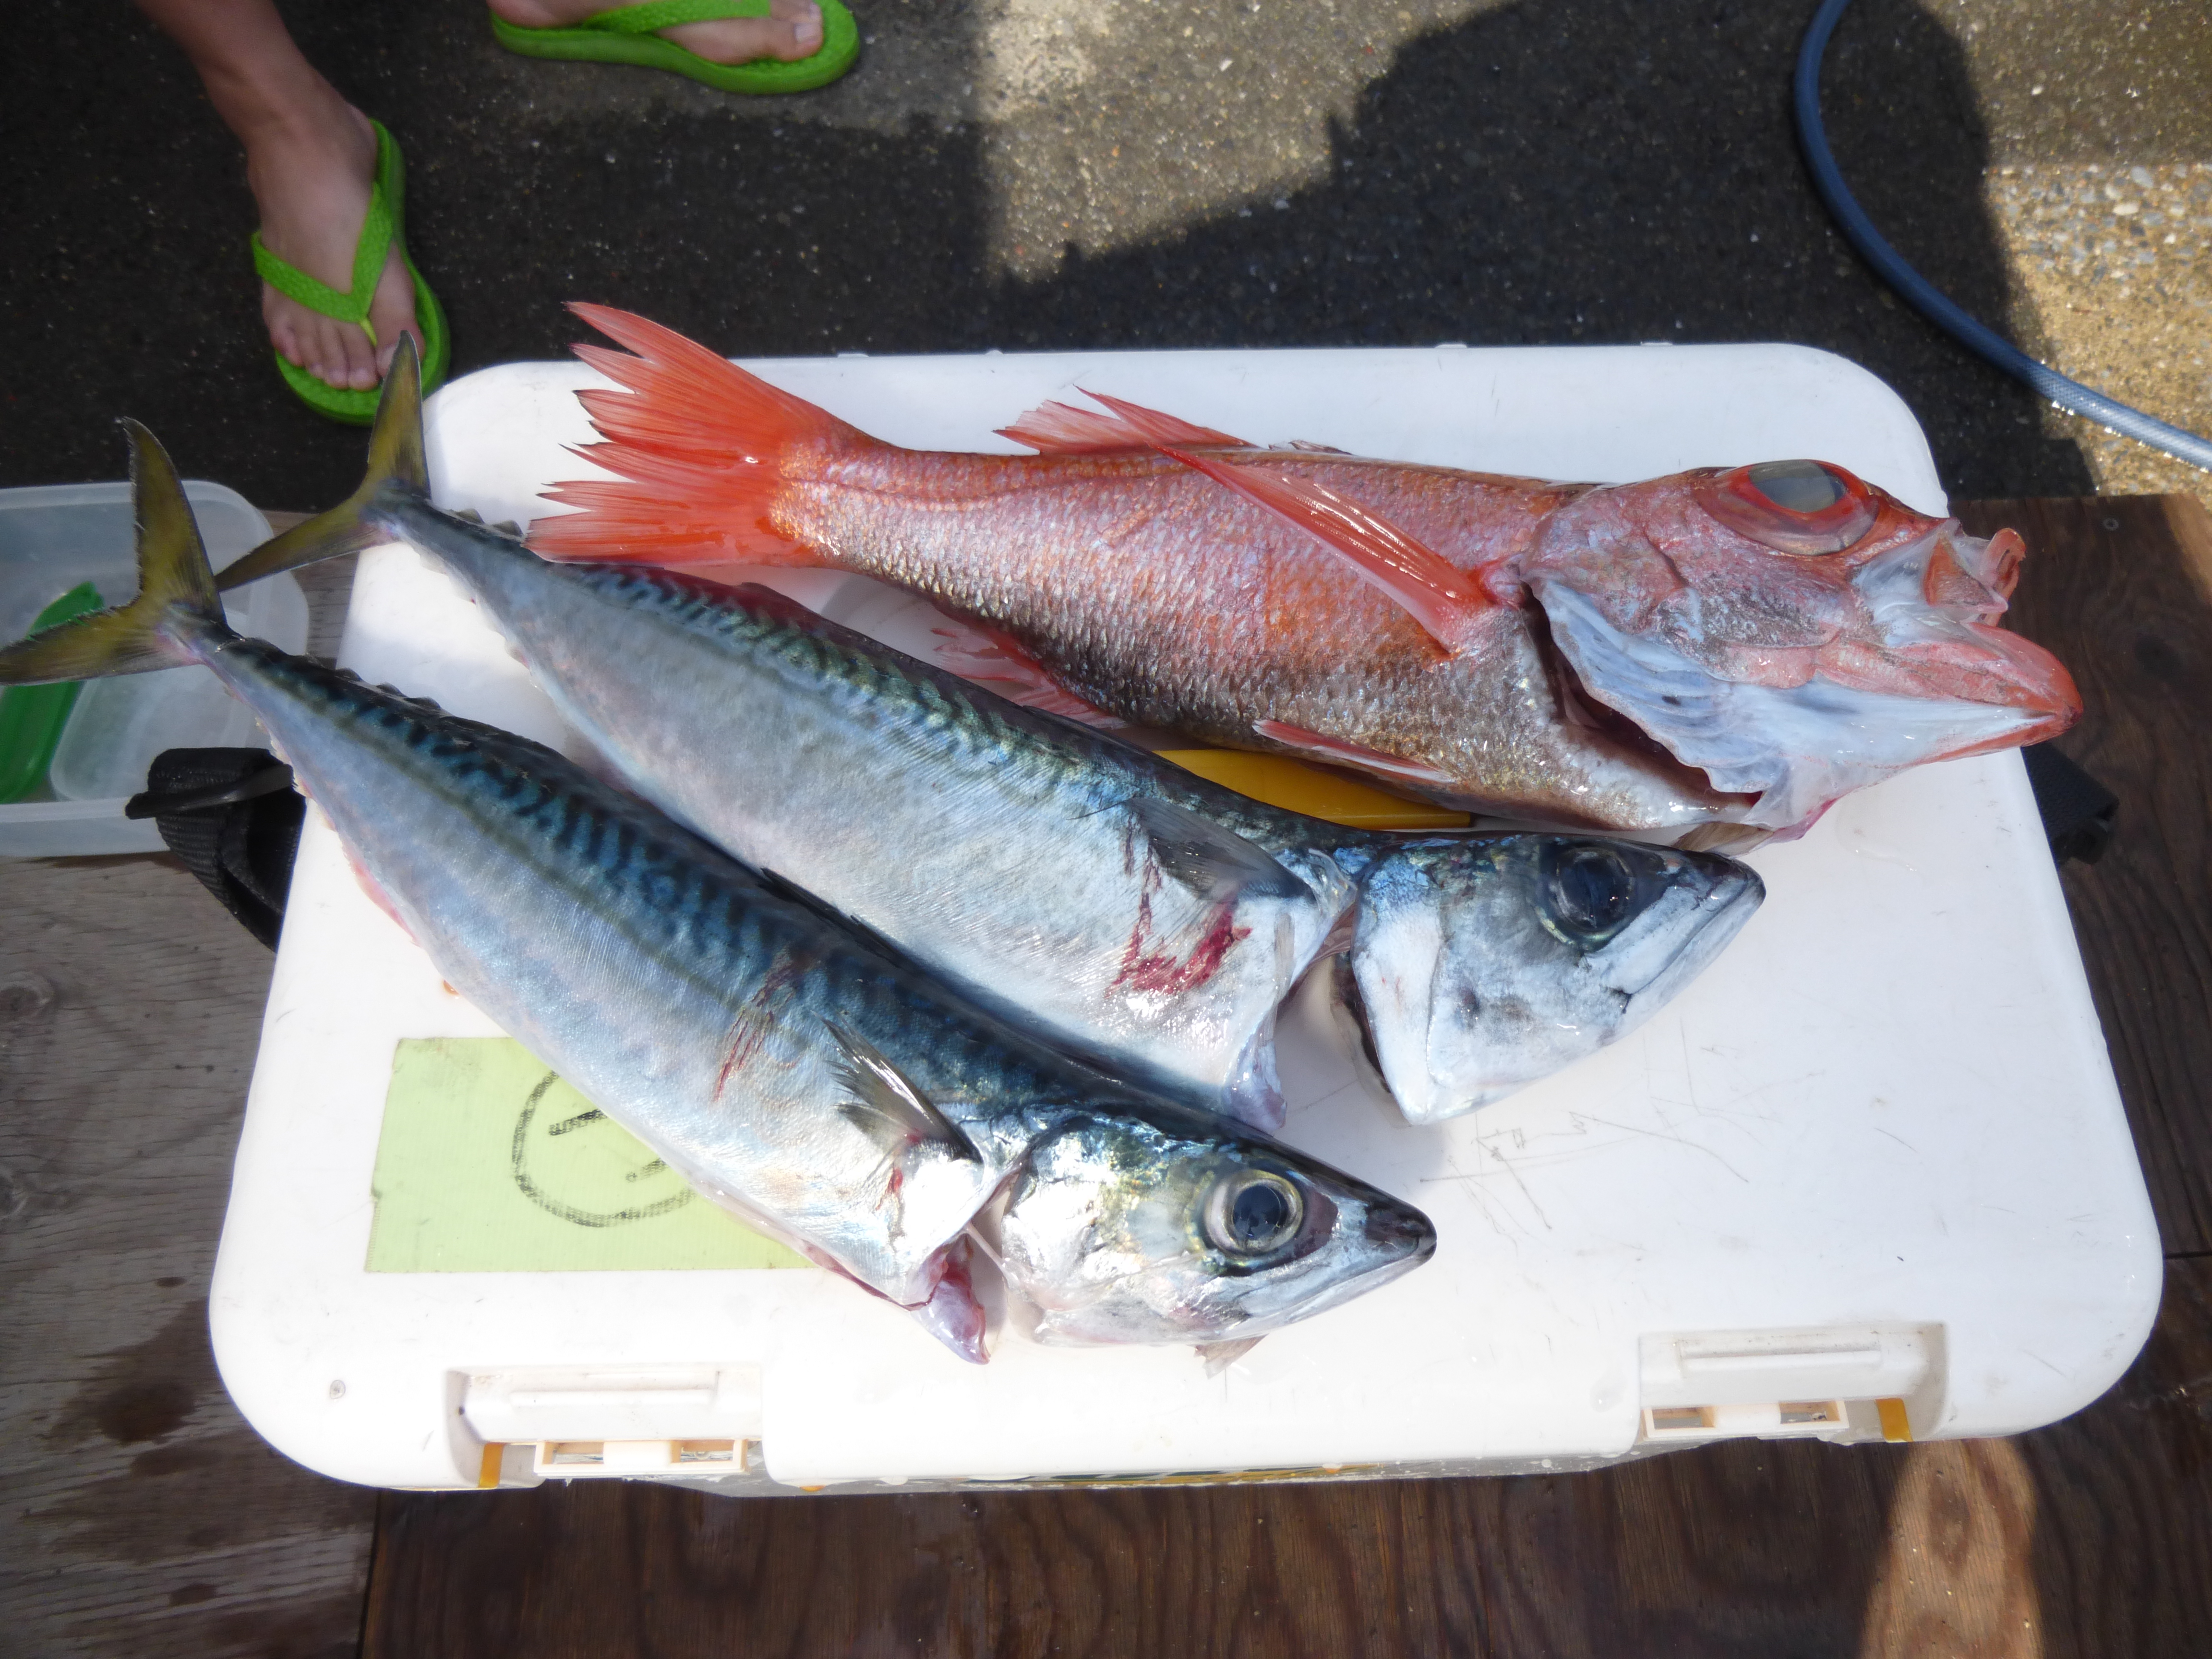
[1792, 506]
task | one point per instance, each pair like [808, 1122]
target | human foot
[791, 31]
[312, 183]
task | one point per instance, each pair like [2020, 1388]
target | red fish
[1726, 648]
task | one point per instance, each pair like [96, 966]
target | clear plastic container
[52, 537]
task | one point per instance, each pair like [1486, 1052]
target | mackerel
[795, 1071]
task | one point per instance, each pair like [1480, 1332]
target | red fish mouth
[1912, 669]
[1933, 604]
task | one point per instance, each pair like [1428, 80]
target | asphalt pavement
[1046, 174]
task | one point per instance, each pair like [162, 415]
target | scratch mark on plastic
[1680, 1140]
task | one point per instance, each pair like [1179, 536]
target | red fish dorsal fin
[1427, 587]
[1064, 429]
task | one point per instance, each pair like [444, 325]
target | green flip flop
[625, 35]
[377, 230]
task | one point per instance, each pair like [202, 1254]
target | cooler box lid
[1868, 1177]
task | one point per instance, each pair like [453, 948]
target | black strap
[231, 815]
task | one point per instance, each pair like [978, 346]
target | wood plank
[143, 1516]
[2120, 588]
[2093, 1537]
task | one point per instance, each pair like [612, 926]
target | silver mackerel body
[1068, 881]
[811, 1083]
[663, 980]
[1142, 917]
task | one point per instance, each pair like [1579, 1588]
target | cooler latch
[570, 1423]
[1836, 1382]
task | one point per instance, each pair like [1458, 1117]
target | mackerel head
[1581, 939]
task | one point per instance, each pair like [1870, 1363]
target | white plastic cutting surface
[1879, 1140]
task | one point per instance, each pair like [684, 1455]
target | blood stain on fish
[755, 1019]
[1146, 969]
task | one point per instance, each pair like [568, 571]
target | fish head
[1793, 631]
[1153, 1227]
[1481, 963]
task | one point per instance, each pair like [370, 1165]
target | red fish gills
[1712, 648]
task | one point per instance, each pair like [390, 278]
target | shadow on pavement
[1581, 171]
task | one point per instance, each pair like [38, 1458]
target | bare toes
[330, 352]
[360, 371]
[741, 40]
[806, 31]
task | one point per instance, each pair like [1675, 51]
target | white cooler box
[1867, 1178]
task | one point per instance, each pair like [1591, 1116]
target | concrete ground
[1019, 173]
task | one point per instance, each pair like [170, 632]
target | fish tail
[702, 451]
[176, 611]
[396, 472]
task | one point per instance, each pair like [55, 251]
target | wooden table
[142, 1516]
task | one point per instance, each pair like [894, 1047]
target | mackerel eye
[1592, 891]
[1252, 1212]
[1793, 506]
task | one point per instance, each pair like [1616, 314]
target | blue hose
[1976, 336]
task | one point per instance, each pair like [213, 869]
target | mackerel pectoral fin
[1213, 862]
[395, 466]
[884, 1104]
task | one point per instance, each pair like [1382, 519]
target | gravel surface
[2113, 269]
[1033, 173]
[2101, 188]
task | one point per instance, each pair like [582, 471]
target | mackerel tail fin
[177, 606]
[701, 450]
[396, 468]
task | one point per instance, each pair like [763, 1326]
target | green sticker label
[489, 1162]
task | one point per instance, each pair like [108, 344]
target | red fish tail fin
[702, 453]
